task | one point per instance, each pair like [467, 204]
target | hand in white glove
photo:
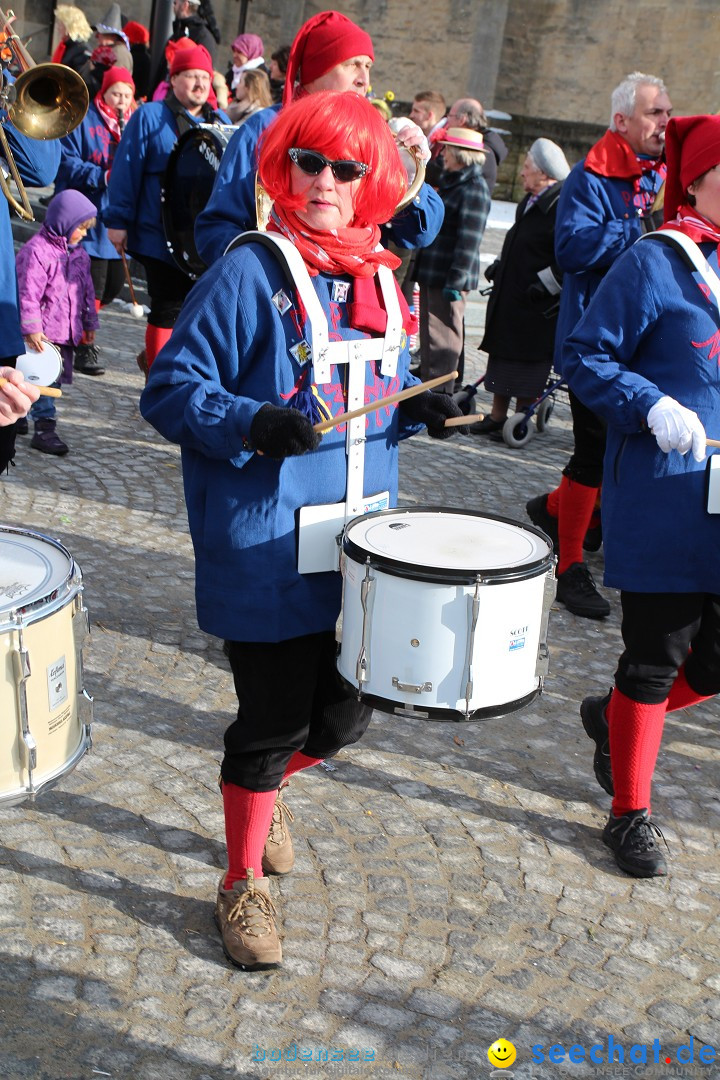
[409, 134]
[676, 428]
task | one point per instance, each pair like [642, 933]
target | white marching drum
[42, 368]
[445, 612]
[45, 713]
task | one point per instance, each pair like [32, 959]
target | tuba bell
[46, 101]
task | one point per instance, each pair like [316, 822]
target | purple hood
[66, 211]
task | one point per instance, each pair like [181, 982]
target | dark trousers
[442, 337]
[167, 288]
[586, 464]
[108, 278]
[659, 630]
[290, 698]
[7, 433]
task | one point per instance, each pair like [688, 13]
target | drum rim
[443, 713]
[63, 593]
[439, 575]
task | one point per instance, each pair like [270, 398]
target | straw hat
[465, 138]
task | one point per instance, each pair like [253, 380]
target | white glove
[676, 428]
[409, 134]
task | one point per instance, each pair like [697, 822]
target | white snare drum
[45, 713]
[43, 368]
[445, 612]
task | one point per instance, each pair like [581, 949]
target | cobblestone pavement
[451, 887]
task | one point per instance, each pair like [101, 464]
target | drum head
[42, 368]
[447, 545]
[189, 177]
[32, 569]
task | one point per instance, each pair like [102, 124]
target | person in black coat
[195, 20]
[522, 310]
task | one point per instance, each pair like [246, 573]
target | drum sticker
[282, 302]
[376, 502]
[517, 638]
[57, 684]
[340, 291]
[302, 352]
[14, 589]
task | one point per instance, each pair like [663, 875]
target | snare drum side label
[517, 638]
[57, 684]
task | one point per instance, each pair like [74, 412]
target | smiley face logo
[501, 1054]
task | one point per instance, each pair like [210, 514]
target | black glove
[282, 433]
[537, 294]
[491, 270]
[433, 410]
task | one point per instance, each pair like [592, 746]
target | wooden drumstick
[44, 391]
[137, 308]
[461, 421]
[402, 395]
[713, 442]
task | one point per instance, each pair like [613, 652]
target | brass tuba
[46, 101]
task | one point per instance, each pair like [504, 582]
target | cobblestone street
[451, 887]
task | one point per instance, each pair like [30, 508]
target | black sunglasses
[313, 164]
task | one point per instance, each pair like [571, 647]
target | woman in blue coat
[644, 357]
[238, 386]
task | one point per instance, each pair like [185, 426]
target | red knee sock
[553, 502]
[248, 815]
[635, 734]
[300, 761]
[155, 338]
[682, 694]
[577, 502]
[98, 304]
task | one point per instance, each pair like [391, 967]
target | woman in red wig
[258, 354]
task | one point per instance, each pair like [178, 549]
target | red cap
[325, 40]
[136, 33]
[195, 59]
[114, 75]
[692, 146]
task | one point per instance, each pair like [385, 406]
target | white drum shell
[417, 636]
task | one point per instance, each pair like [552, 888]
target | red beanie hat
[692, 146]
[136, 33]
[195, 59]
[325, 40]
[114, 75]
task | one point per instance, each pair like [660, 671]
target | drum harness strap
[183, 121]
[691, 255]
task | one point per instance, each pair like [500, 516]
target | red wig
[338, 125]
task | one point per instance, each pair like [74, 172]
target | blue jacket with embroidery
[231, 208]
[86, 155]
[598, 218]
[137, 177]
[651, 330]
[229, 354]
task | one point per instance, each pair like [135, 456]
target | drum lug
[81, 630]
[542, 663]
[80, 622]
[23, 671]
[411, 688]
[474, 615]
[361, 669]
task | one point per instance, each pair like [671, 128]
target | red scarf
[612, 156]
[110, 115]
[694, 226]
[352, 251]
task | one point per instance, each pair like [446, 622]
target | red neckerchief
[110, 115]
[612, 156]
[694, 226]
[346, 251]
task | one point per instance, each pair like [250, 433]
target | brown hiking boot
[245, 919]
[278, 855]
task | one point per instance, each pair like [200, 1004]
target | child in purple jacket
[57, 298]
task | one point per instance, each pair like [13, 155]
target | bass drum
[188, 182]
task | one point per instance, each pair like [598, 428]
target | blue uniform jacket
[86, 155]
[649, 331]
[37, 163]
[598, 218]
[229, 354]
[137, 176]
[231, 208]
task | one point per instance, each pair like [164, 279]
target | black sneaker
[22, 426]
[594, 719]
[486, 426]
[576, 589]
[86, 360]
[631, 837]
[537, 511]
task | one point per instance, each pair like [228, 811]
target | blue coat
[650, 331]
[597, 219]
[37, 164]
[137, 177]
[87, 154]
[228, 356]
[231, 208]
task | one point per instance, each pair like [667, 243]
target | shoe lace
[281, 814]
[255, 912]
[584, 581]
[645, 832]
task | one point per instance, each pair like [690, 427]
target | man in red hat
[330, 52]
[644, 358]
[605, 206]
[133, 216]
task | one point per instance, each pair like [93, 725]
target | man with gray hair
[469, 113]
[606, 204]
[191, 21]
